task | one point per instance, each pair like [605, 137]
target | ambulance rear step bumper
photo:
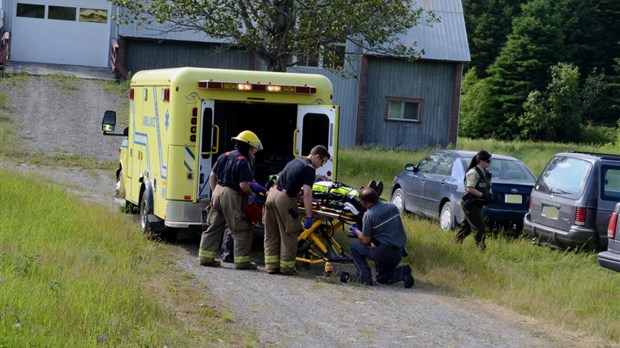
[182, 214]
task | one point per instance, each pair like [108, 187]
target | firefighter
[230, 186]
[281, 216]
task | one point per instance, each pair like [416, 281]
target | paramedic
[230, 184]
[381, 225]
[477, 193]
[281, 216]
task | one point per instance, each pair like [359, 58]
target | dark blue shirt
[231, 168]
[295, 174]
[383, 224]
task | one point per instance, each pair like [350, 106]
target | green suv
[573, 199]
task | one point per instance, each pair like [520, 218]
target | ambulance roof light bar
[255, 87]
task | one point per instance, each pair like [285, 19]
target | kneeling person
[381, 225]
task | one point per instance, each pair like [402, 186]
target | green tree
[488, 24]
[534, 45]
[556, 114]
[593, 98]
[618, 134]
[475, 106]
[592, 37]
[612, 95]
[283, 32]
[592, 42]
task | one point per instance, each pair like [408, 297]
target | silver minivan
[573, 199]
[610, 258]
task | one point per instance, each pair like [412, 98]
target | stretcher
[318, 244]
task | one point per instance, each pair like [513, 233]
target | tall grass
[534, 154]
[568, 289]
[357, 166]
[78, 275]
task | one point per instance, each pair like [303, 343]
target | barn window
[331, 56]
[308, 59]
[30, 10]
[404, 109]
[93, 15]
[61, 13]
[335, 57]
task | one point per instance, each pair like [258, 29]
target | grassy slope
[75, 274]
[569, 289]
[67, 279]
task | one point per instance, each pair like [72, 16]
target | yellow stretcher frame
[317, 243]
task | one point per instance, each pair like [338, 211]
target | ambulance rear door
[206, 147]
[317, 125]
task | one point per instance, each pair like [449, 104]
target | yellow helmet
[249, 138]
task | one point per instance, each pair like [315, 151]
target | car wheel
[446, 217]
[398, 198]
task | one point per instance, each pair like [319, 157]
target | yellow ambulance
[182, 119]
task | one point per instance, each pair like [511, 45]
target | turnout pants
[281, 231]
[386, 262]
[226, 210]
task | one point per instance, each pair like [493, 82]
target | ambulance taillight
[256, 87]
[131, 93]
[165, 94]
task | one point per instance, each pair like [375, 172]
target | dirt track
[303, 311]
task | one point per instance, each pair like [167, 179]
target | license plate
[550, 212]
[514, 199]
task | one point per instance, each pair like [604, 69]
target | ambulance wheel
[446, 217]
[147, 227]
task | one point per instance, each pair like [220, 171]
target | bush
[475, 107]
[599, 135]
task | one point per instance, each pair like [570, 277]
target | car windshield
[564, 176]
[507, 170]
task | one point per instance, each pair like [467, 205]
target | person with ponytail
[477, 193]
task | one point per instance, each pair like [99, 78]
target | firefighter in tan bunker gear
[281, 215]
[230, 184]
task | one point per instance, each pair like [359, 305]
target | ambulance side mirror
[109, 122]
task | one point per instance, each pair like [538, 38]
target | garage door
[61, 32]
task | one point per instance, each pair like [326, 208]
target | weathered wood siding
[150, 54]
[431, 81]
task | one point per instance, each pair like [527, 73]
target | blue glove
[353, 231]
[256, 187]
[308, 223]
[249, 200]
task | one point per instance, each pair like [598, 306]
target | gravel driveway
[304, 311]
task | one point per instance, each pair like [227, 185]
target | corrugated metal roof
[446, 40]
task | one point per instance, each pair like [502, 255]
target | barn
[384, 101]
